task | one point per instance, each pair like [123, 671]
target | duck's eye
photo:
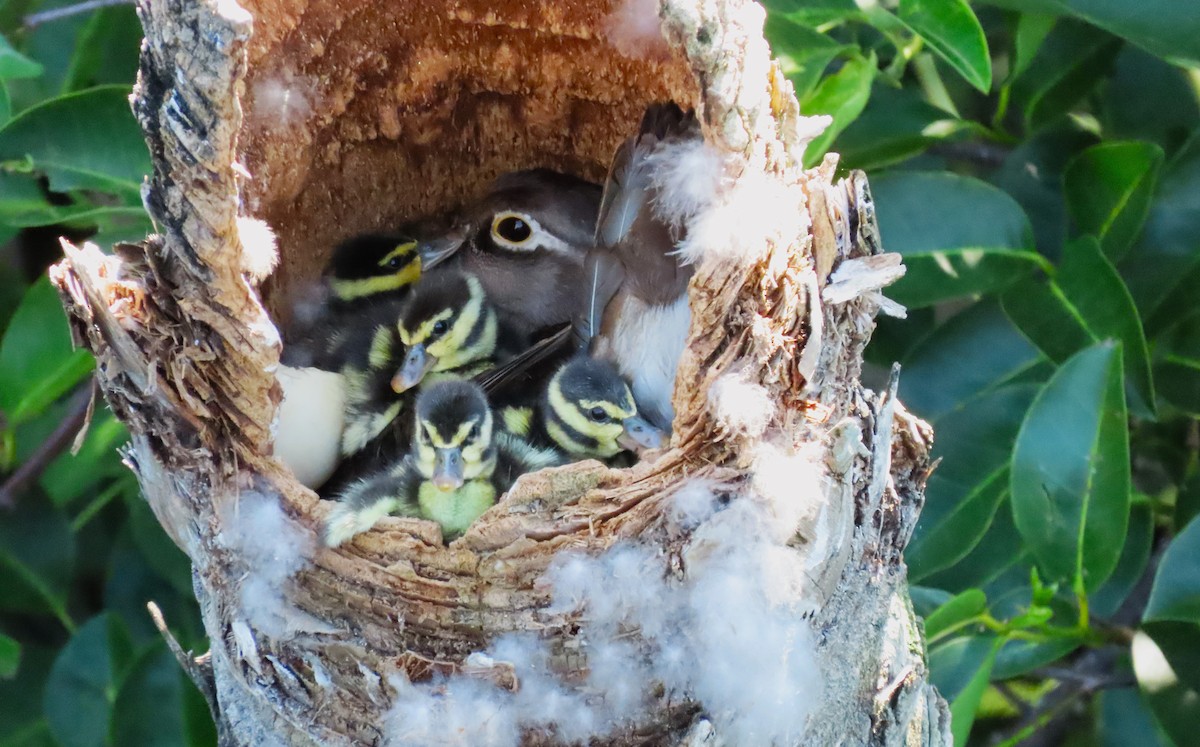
[473, 434]
[440, 327]
[511, 229]
[598, 414]
[395, 263]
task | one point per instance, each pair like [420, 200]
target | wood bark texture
[329, 117]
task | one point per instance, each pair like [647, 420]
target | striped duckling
[586, 411]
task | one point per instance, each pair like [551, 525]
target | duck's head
[525, 215]
[589, 412]
[374, 263]
[453, 436]
[447, 323]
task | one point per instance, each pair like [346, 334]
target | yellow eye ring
[512, 229]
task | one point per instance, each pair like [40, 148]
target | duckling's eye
[395, 263]
[440, 328]
[473, 433]
[598, 414]
[511, 229]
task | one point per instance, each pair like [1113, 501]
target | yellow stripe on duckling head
[349, 290]
[422, 333]
[605, 433]
[476, 319]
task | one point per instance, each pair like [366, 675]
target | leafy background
[1038, 164]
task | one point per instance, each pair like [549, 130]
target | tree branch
[33, 20]
[54, 445]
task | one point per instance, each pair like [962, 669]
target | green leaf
[960, 669]
[85, 140]
[106, 50]
[10, 657]
[897, 124]
[973, 352]
[1163, 269]
[1085, 303]
[1123, 720]
[951, 29]
[926, 600]
[37, 362]
[1032, 29]
[1072, 59]
[1187, 501]
[1180, 644]
[803, 53]
[70, 476]
[1032, 175]
[966, 705]
[1168, 28]
[157, 685]
[999, 554]
[1135, 556]
[967, 605]
[21, 700]
[954, 662]
[842, 96]
[1017, 658]
[1109, 187]
[1176, 592]
[1173, 702]
[37, 555]
[1147, 98]
[156, 547]
[814, 13]
[975, 444]
[1070, 470]
[13, 64]
[83, 683]
[20, 194]
[976, 240]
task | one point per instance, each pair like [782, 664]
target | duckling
[587, 411]
[364, 272]
[526, 240]
[455, 469]
[446, 328]
[637, 313]
[368, 275]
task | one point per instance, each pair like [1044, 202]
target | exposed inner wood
[361, 115]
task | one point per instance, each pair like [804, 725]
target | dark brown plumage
[526, 241]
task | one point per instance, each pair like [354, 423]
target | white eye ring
[514, 230]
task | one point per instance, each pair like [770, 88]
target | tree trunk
[326, 118]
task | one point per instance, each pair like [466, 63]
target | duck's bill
[436, 251]
[448, 473]
[640, 434]
[417, 363]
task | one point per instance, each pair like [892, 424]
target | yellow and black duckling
[586, 411]
[446, 328]
[364, 273]
[526, 241]
[364, 283]
[637, 313]
[455, 470]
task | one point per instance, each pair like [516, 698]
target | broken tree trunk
[326, 118]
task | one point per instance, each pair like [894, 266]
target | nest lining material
[395, 110]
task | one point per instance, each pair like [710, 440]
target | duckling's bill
[638, 434]
[417, 363]
[449, 472]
